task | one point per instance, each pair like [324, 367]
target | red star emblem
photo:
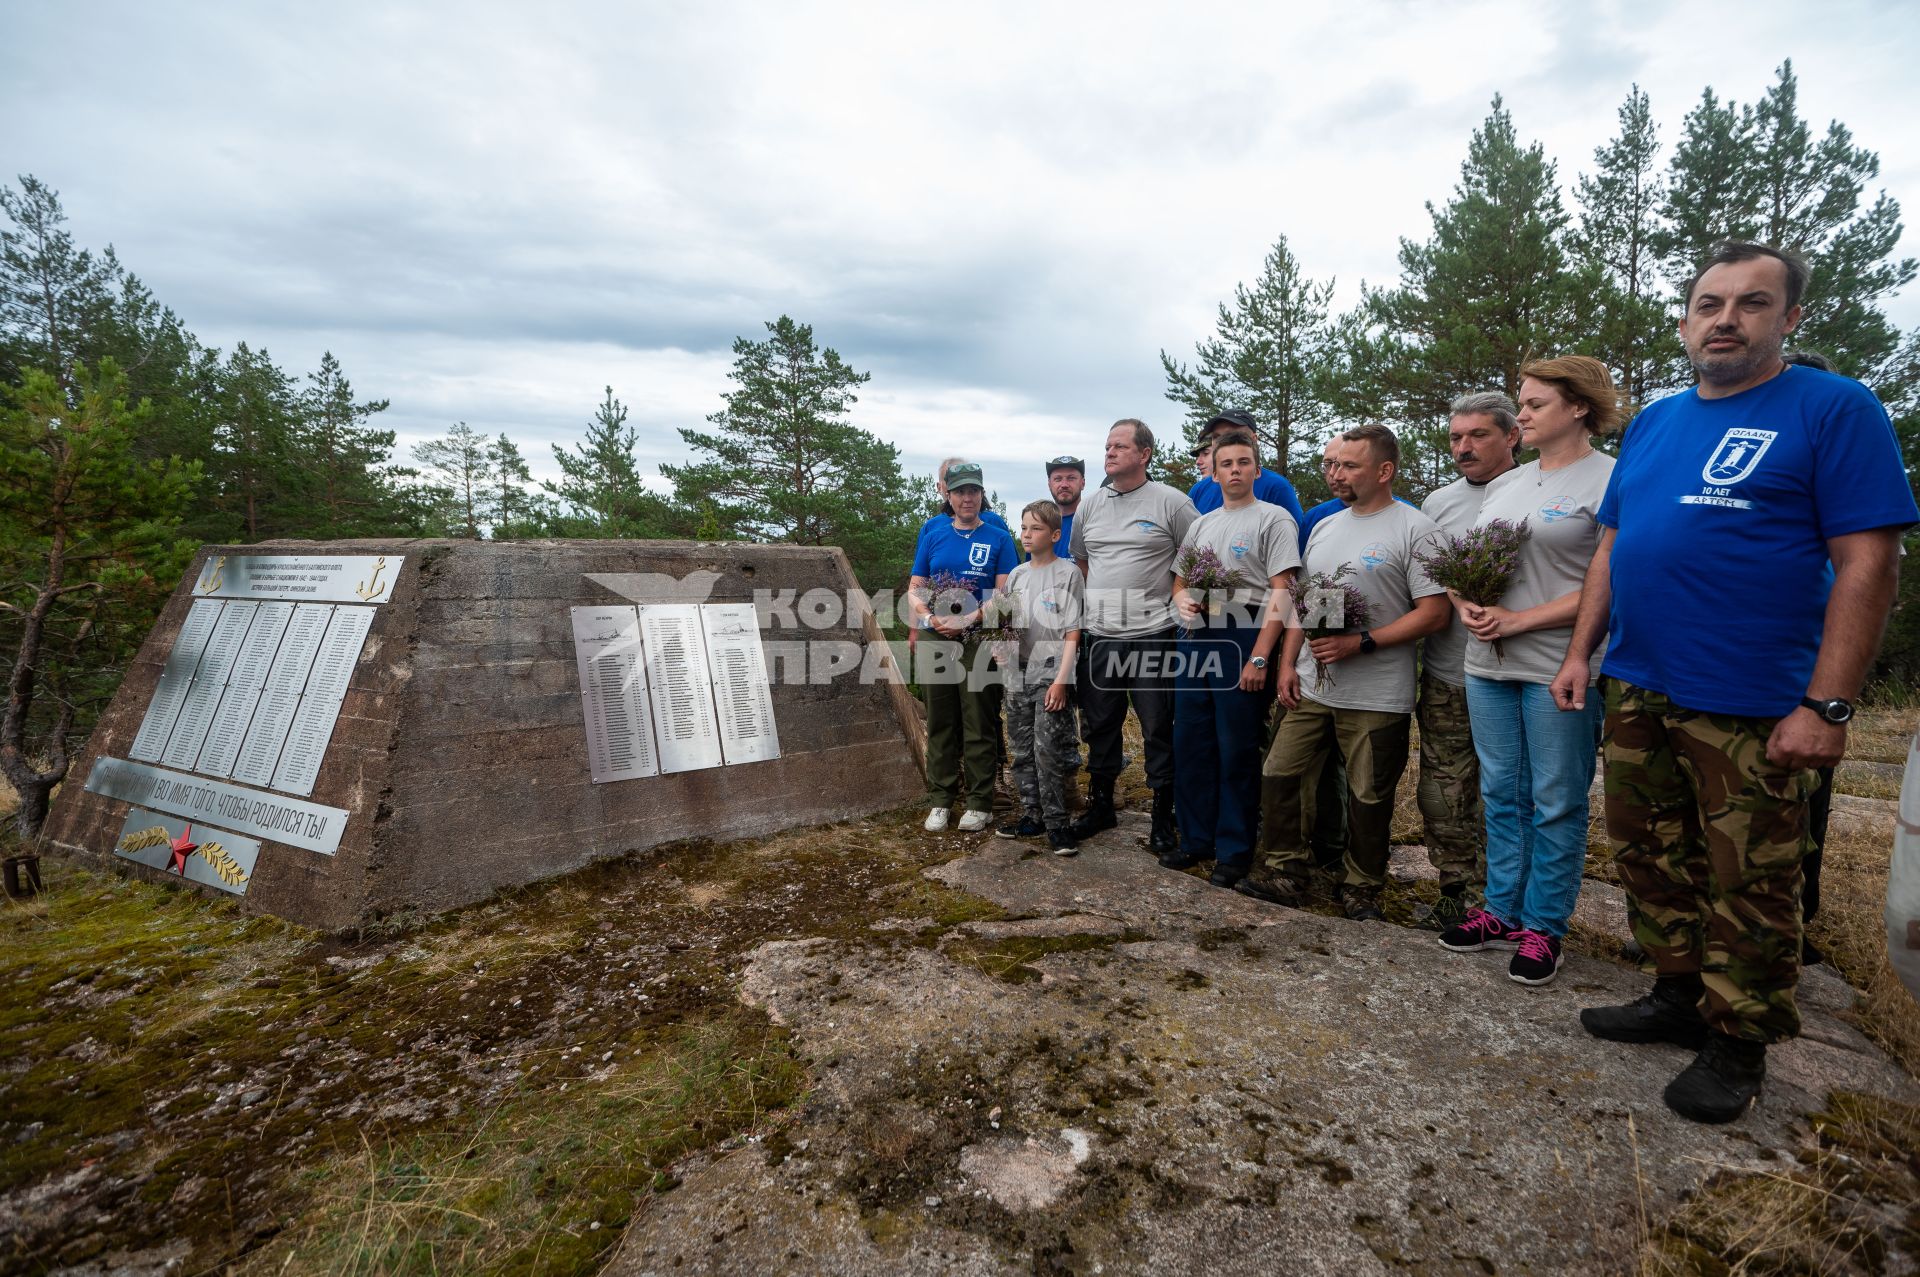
[182, 847]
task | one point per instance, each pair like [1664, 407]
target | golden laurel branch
[141, 839]
[226, 866]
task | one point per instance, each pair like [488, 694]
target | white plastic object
[1903, 881]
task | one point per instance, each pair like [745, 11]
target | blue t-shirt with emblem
[1723, 509]
[1274, 489]
[978, 557]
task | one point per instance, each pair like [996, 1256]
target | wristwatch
[1834, 711]
[1258, 662]
[1367, 645]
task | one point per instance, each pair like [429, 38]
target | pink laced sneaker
[1536, 960]
[1480, 930]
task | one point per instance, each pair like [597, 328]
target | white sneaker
[974, 821]
[937, 820]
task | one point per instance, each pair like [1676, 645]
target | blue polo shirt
[1060, 547]
[1723, 509]
[977, 557]
[1268, 487]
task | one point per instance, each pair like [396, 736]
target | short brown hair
[1582, 379]
[1045, 511]
[1384, 443]
[1236, 435]
[1142, 437]
[1740, 250]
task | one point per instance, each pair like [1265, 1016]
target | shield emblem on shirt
[978, 553]
[1739, 451]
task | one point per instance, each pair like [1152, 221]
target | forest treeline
[128, 442]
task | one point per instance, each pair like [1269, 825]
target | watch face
[1838, 711]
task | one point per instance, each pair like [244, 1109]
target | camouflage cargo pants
[1449, 788]
[1708, 837]
[1046, 752]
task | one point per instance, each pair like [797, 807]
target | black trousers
[1113, 673]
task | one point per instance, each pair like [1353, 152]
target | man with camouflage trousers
[1748, 554]
[1482, 432]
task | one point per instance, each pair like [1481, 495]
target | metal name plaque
[322, 579]
[269, 816]
[194, 852]
[613, 693]
[741, 691]
[679, 687]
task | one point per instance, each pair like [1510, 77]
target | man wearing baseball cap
[1066, 480]
[1267, 486]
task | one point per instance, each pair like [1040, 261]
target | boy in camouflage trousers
[1048, 593]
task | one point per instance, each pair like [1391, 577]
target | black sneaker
[1026, 827]
[1722, 1081]
[1275, 889]
[1479, 930]
[1062, 842]
[1227, 875]
[1178, 859]
[1536, 958]
[1670, 1013]
[1361, 904]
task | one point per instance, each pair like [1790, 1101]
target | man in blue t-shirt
[1267, 486]
[1748, 559]
[1066, 480]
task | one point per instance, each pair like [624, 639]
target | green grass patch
[547, 1182]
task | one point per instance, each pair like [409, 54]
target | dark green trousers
[963, 727]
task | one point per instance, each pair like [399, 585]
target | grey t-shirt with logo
[1381, 547]
[1128, 540]
[1455, 508]
[1049, 601]
[1259, 541]
[1558, 506]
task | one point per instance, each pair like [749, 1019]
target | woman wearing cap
[962, 728]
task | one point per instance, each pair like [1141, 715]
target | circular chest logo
[1240, 546]
[1375, 555]
[1558, 508]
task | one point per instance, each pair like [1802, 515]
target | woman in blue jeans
[1536, 760]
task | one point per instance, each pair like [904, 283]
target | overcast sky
[1004, 213]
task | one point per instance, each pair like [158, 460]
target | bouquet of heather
[1330, 606]
[999, 627]
[1479, 566]
[1207, 576]
[948, 596]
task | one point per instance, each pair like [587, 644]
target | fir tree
[349, 482]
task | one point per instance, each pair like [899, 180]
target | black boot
[1668, 1014]
[1099, 813]
[1721, 1082]
[1165, 838]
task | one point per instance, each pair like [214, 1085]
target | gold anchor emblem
[213, 580]
[371, 589]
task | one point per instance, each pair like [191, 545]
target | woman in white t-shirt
[1536, 760]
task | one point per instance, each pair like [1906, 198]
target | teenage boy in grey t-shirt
[1361, 705]
[1124, 540]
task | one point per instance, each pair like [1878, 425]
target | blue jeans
[1536, 763]
[1218, 734]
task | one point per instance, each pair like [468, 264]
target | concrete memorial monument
[340, 732]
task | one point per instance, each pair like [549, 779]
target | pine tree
[600, 482]
[1711, 191]
[1488, 292]
[52, 294]
[1274, 355]
[252, 467]
[512, 510]
[89, 548]
[783, 463]
[464, 478]
[1618, 228]
[348, 480]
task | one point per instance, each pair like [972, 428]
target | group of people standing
[1701, 611]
